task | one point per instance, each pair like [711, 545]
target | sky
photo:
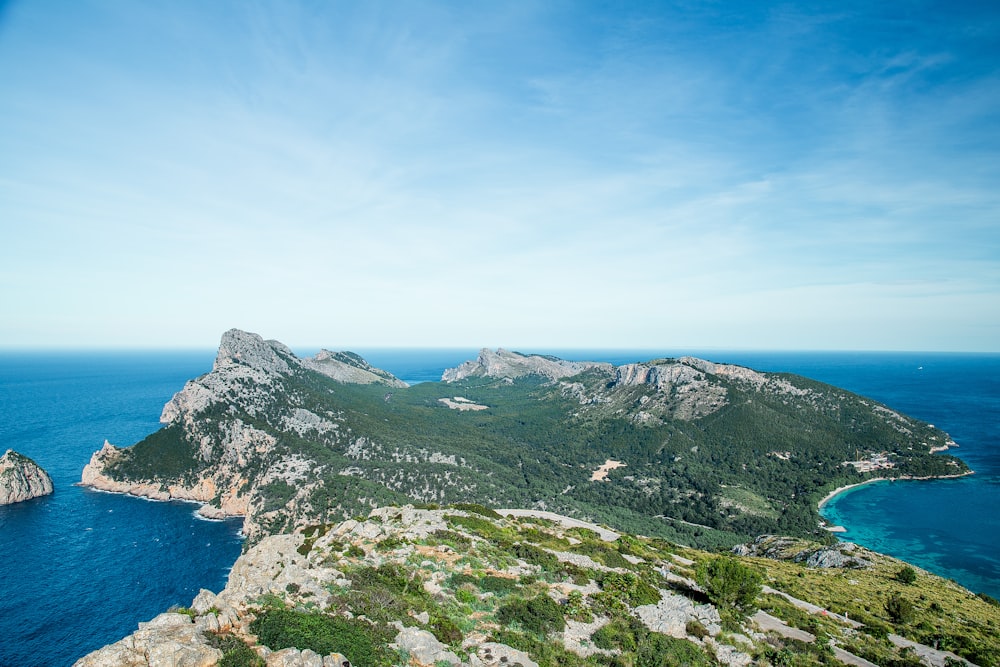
[548, 175]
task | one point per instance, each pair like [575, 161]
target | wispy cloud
[533, 174]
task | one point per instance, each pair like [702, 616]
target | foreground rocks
[21, 479]
[312, 573]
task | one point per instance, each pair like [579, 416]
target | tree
[900, 609]
[906, 575]
[730, 584]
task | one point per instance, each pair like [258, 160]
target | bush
[446, 630]
[900, 609]
[906, 575]
[730, 584]
[235, 653]
[540, 615]
[359, 641]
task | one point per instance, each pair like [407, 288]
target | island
[21, 479]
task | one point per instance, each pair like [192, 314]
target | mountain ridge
[720, 453]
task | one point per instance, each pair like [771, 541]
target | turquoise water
[81, 569]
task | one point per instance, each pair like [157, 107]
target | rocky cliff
[219, 445]
[465, 586]
[511, 365]
[21, 479]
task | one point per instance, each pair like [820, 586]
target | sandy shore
[828, 497]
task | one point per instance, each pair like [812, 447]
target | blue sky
[547, 175]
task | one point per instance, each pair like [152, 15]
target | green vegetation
[757, 464]
[363, 644]
[540, 615]
[730, 584]
[505, 589]
[235, 652]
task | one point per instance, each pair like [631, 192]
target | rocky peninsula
[21, 479]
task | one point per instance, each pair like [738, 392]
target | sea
[80, 568]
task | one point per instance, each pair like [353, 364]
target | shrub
[446, 630]
[730, 584]
[659, 650]
[235, 653]
[900, 609]
[696, 629]
[906, 575]
[540, 615]
[361, 642]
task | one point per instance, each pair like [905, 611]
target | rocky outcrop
[512, 365]
[168, 639]
[839, 555]
[204, 490]
[351, 368]
[21, 479]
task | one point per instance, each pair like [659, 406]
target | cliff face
[21, 479]
[512, 365]
[222, 428]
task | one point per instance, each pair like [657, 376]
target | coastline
[830, 496]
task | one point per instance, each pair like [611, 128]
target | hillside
[463, 585]
[696, 452]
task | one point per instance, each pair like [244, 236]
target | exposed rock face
[21, 479]
[349, 367]
[840, 555]
[168, 639]
[511, 365]
[249, 376]
[672, 613]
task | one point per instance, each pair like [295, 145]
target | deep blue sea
[79, 569]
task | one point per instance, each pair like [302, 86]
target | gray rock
[168, 639]
[424, 648]
[21, 479]
[350, 368]
[672, 613]
[292, 657]
[492, 654]
[506, 364]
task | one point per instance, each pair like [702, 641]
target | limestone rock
[511, 365]
[351, 368]
[424, 648]
[21, 479]
[672, 613]
[840, 555]
[275, 566]
[169, 639]
[492, 654]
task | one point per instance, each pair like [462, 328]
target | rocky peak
[658, 374]
[350, 367]
[249, 349]
[21, 479]
[506, 364]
